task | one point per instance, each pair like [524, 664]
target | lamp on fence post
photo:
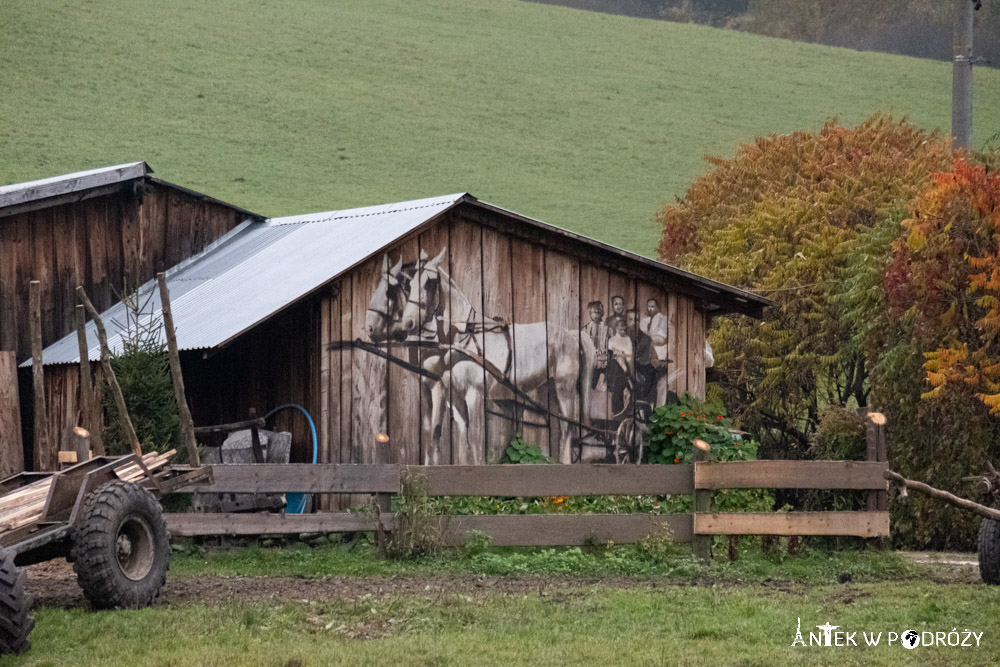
[702, 544]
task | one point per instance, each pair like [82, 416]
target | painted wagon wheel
[624, 449]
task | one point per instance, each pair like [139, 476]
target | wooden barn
[103, 229]
[429, 332]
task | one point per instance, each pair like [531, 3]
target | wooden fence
[551, 480]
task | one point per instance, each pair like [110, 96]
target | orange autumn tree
[953, 239]
[786, 216]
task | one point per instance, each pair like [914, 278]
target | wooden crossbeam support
[109, 373]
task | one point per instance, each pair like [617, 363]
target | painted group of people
[631, 361]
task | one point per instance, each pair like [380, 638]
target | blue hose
[295, 503]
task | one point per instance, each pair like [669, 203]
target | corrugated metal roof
[259, 268]
[22, 193]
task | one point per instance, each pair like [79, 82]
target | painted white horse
[543, 353]
[388, 300]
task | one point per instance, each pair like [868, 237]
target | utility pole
[961, 80]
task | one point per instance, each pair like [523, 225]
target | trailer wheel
[15, 623]
[120, 547]
[989, 551]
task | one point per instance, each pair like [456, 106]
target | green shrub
[143, 372]
[519, 451]
[840, 435]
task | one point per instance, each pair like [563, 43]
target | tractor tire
[15, 623]
[121, 549]
[989, 551]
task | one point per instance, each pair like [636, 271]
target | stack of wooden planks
[25, 505]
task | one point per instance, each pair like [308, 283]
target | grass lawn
[585, 120]
[549, 606]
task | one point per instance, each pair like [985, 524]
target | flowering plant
[673, 428]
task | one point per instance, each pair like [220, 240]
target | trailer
[104, 516]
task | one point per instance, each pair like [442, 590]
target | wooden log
[790, 475]
[981, 510]
[557, 480]
[109, 373]
[568, 529]
[187, 423]
[11, 450]
[42, 450]
[87, 397]
[859, 524]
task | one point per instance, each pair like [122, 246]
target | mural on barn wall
[463, 336]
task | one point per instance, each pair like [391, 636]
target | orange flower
[677, 460]
[720, 416]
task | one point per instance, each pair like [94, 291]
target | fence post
[877, 450]
[701, 544]
[11, 450]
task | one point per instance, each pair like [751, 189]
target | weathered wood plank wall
[512, 298]
[105, 243]
[102, 243]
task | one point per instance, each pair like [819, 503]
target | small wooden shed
[103, 229]
[431, 332]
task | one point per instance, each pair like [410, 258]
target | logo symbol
[910, 639]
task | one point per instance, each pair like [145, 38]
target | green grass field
[297, 607]
[584, 120]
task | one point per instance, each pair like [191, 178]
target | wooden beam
[299, 478]
[860, 524]
[568, 529]
[89, 414]
[556, 480]
[189, 525]
[791, 475]
[11, 451]
[109, 373]
[228, 428]
[43, 446]
[876, 450]
[187, 423]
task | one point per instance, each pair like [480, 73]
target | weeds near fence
[419, 531]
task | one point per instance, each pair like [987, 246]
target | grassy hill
[584, 120]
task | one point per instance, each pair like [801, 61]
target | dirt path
[942, 558]
[54, 585]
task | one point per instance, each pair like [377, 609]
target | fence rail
[549, 480]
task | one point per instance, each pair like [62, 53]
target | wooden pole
[961, 78]
[876, 450]
[187, 423]
[43, 448]
[981, 510]
[701, 545]
[89, 403]
[109, 373]
[11, 450]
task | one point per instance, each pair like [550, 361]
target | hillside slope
[584, 120]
